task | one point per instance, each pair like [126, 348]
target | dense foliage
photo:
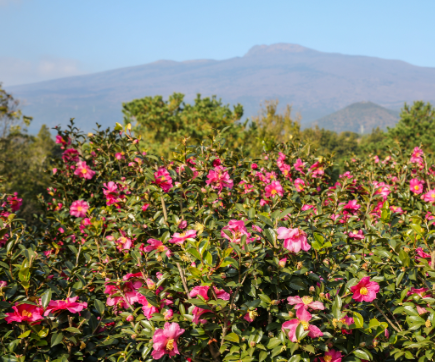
[213, 256]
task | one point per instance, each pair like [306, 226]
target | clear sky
[46, 39]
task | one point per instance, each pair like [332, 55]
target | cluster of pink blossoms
[163, 179]
[218, 179]
[33, 314]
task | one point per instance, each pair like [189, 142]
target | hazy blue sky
[45, 39]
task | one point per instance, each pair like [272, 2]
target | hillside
[359, 117]
[315, 83]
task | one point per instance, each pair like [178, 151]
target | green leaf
[232, 337]
[72, 330]
[362, 354]
[56, 339]
[25, 334]
[194, 252]
[262, 356]
[273, 342]
[358, 320]
[46, 298]
[99, 306]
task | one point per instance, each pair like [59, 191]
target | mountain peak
[276, 48]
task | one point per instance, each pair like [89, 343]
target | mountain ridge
[315, 83]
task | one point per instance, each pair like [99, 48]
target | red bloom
[163, 179]
[69, 304]
[25, 313]
[365, 290]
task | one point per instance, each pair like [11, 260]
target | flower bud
[130, 318]
[133, 336]
[312, 290]
[362, 344]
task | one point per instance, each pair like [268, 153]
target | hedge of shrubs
[214, 257]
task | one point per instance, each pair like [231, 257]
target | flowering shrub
[214, 257]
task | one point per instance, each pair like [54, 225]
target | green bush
[211, 256]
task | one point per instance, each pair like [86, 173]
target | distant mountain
[315, 83]
[361, 117]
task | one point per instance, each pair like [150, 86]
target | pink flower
[25, 313]
[421, 254]
[145, 207]
[182, 225]
[305, 302]
[69, 304]
[235, 230]
[274, 189]
[295, 240]
[71, 155]
[396, 209]
[180, 238]
[79, 208]
[299, 166]
[163, 179]
[346, 321]
[218, 178]
[317, 169]
[331, 356]
[165, 340]
[357, 235]
[147, 308]
[417, 156]
[299, 185]
[303, 317]
[155, 245]
[3, 284]
[251, 315]
[123, 243]
[60, 140]
[352, 206]
[130, 318]
[197, 313]
[365, 290]
[119, 156]
[254, 166]
[422, 292]
[110, 190]
[416, 186]
[168, 314]
[429, 196]
[14, 202]
[129, 290]
[282, 262]
[84, 171]
[203, 292]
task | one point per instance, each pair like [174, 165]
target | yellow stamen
[170, 344]
[27, 314]
[307, 299]
[160, 248]
[363, 291]
[327, 358]
[305, 325]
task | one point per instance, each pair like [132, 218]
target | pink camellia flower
[251, 315]
[299, 185]
[346, 321]
[382, 189]
[147, 308]
[299, 166]
[357, 235]
[180, 238]
[352, 206]
[197, 313]
[163, 179]
[331, 356]
[417, 156]
[25, 313]
[69, 304]
[303, 317]
[421, 254]
[14, 202]
[79, 208]
[130, 318]
[203, 292]
[168, 314]
[282, 262]
[396, 209]
[422, 292]
[155, 245]
[365, 290]
[3, 283]
[145, 207]
[54, 170]
[429, 196]
[130, 291]
[165, 340]
[305, 302]
[295, 240]
[236, 229]
[110, 190]
[274, 189]
[182, 225]
[119, 156]
[84, 171]
[416, 186]
[71, 155]
[123, 243]
[61, 140]
[218, 178]
[317, 169]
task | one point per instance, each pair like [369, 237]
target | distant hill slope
[315, 83]
[359, 117]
